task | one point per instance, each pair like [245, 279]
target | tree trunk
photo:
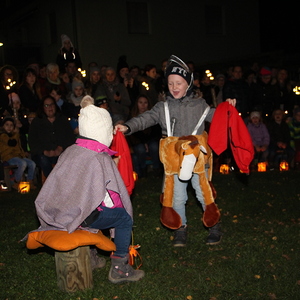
[73, 269]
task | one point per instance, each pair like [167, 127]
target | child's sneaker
[215, 235]
[180, 237]
[121, 271]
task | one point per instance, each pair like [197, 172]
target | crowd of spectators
[45, 103]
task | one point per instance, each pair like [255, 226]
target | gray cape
[76, 186]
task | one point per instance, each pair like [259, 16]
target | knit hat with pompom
[95, 122]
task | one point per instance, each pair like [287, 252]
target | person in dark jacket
[67, 53]
[29, 91]
[50, 133]
[266, 95]
[236, 88]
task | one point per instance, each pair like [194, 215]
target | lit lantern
[262, 167]
[224, 169]
[145, 85]
[284, 166]
[135, 176]
[24, 187]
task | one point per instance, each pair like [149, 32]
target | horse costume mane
[184, 156]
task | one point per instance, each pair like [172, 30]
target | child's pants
[180, 196]
[119, 219]
[22, 164]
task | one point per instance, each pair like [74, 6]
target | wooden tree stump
[73, 269]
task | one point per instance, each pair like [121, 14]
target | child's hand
[49, 153]
[120, 127]
[117, 96]
[231, 101]
[58, 150]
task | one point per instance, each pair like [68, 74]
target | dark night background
[279, 21]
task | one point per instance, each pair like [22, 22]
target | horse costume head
[188, 149]
[184, 156]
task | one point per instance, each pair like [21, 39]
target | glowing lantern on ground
[284, 166]
[224, 169]
[135, 176]
[262, 167]
[24, 187]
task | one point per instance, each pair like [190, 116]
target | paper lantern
[262, 167]
[284, 166]
[224, 169]
[24, 187]
[135, 176]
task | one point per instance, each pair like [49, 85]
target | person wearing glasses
[50, 133]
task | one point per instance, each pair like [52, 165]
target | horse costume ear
[185, 145]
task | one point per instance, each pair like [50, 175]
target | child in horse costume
[184, 152]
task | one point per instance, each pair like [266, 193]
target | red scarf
[119, 144]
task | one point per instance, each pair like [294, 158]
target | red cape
[227, 124]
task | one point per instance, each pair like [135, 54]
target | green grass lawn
[257, 259]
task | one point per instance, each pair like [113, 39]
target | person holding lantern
[185, 111]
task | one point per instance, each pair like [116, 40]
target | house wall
[99, 31]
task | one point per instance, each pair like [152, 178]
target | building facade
[146, 31]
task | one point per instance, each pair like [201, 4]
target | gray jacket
[184, 116]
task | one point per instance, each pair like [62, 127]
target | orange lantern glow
[284, 166]
[262, 167]
[135, 176]
[24, 187]
[224, 169]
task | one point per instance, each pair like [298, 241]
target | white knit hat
[255, 114]
[64, 38]
[95, 122]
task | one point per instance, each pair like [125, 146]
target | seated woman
[146, 142]
[12, 152]
[260, 136]
[50, 133]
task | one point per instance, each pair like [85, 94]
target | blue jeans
[22, 164]
[180, 196]
[45, 163]
[140, 154]
[119, 219]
